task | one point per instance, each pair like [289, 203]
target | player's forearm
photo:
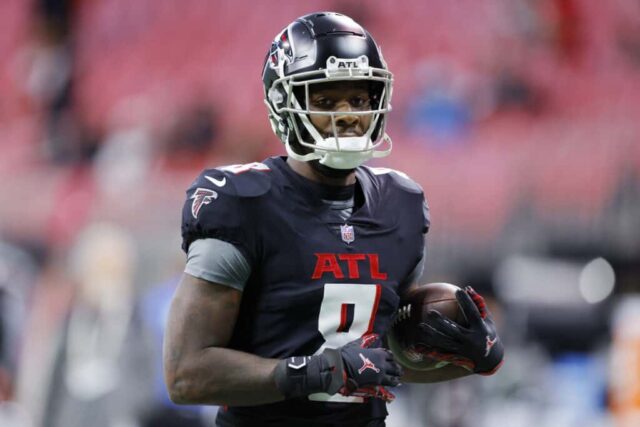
[220, 376]
[446, 373]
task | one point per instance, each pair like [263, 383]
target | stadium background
[520, 119]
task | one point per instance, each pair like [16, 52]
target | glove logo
[367, 364]
[490, 343]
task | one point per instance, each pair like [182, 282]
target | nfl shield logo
[347, 233]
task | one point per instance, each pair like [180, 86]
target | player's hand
[359, 368]
[368, 368]
[477, 348]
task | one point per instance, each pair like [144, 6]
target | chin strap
[342, 159]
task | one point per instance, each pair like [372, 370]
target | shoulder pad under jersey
[401, 179]
[218, 202]
[404, 182]
[243, 180]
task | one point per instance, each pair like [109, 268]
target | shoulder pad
[401, 179]
[218, 204]
[243, 180]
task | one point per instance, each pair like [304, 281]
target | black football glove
[476, 348]
[368, 368]
[359, 368]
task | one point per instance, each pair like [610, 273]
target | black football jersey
[315, 282]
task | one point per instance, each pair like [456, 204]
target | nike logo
[490, 343]
[217, 182]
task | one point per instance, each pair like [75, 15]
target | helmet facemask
[288, 101]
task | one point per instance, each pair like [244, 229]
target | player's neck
[306, 170]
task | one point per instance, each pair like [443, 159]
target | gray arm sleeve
[219, 262]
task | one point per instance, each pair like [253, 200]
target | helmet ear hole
[276, 96]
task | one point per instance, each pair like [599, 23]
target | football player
[295, 265]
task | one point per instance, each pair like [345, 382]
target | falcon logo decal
[202, 196]
[281, 50]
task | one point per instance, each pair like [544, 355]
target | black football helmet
[319, 48]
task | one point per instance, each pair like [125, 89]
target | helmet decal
[281, 51]
[335, 66]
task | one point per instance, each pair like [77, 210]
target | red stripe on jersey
[343, 319]
[374, 310]
[346, 317]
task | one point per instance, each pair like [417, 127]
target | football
[412, 311]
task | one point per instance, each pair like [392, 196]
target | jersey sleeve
[402, 181]
[218, 262]
[426, 217]
[418, 271]
[221, 204]
[415, 275]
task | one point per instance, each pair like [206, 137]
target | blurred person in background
[18, 273]
[443, 107]
[92, 363]
[48, 73]
[277, 316]
[192, 136]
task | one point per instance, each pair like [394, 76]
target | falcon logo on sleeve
[202, 196]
